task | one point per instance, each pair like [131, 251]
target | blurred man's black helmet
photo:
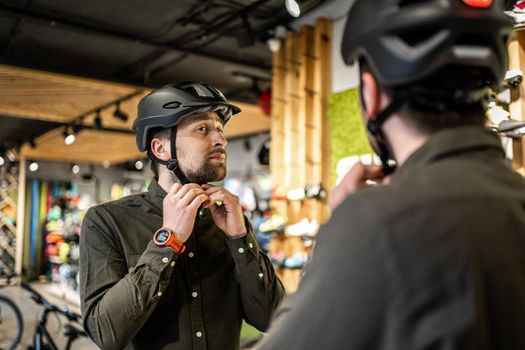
[406, 41]
[167, 106]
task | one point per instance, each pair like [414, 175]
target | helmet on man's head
[406, 41]
[167, 106]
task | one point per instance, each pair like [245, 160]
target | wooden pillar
[291, 115]
[277, 127]
[322, 88]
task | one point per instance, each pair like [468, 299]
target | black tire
[11, 324]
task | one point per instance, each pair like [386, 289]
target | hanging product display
[53, 232]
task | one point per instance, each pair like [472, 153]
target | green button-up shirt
[136, 295]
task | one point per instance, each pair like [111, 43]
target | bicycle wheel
[11, 325]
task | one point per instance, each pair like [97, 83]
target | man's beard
[207, 172]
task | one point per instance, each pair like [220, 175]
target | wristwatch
[164, 237]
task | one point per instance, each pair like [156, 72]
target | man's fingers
[191, 194]
[174, 189]
[183, 190]
[218, 196]
[373, 172]
[213, 189]
[354, 180]
[197, 201]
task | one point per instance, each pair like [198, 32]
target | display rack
[8, 217]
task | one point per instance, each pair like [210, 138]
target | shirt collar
[450, 143]
[156, 193]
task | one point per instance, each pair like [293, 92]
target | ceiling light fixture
[10, 155]
[75, 169]
[274, 44]
[97, 122]
[2, 161]
[69, 138]
[139, 165]
[119, 114]
[297, 8]
[293, 8]
[33, 166]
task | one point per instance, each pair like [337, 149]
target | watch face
[162, 237]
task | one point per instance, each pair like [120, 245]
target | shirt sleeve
[261, 289]
[115, 302]
[342, 297]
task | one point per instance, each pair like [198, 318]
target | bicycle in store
[42, 339]
[11, 323]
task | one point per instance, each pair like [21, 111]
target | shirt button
[191, 255]
[198, 334]
[165, 260]
[241, 250]
[261, 275]
[250, 245]
[194, 294]
[159, 294]
[172, 263]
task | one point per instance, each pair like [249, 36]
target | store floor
[60, 297]
[31, 313]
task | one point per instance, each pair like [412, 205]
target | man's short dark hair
[429, 112]
[159, 133]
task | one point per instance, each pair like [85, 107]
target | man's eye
[203, 129]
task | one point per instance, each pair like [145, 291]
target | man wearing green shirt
[177, 267]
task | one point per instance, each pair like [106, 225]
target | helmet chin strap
[383, 149]
[173, 163]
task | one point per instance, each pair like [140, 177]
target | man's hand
[180, 208]
[354, 180]
[228, 215]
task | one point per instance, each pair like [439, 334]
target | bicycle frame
[42, 340]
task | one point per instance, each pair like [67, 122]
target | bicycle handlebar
[39, 299]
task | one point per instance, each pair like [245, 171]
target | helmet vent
[403, 3]
[475, 40]
[415, 38]
[172, 105]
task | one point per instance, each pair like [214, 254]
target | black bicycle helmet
[405, 41]
[167, 106]
[408, 43]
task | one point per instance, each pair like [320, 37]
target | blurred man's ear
[371, 95]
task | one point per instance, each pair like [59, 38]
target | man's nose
[219, 139]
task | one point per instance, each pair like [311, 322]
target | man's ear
[159, 148]
[371, 95]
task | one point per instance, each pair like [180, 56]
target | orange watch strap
[175, 244]
[172, 241]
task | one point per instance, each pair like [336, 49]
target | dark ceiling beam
[216, 27]
[10, 10]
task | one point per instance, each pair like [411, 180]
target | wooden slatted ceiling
[32, 94]
[26, 93]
